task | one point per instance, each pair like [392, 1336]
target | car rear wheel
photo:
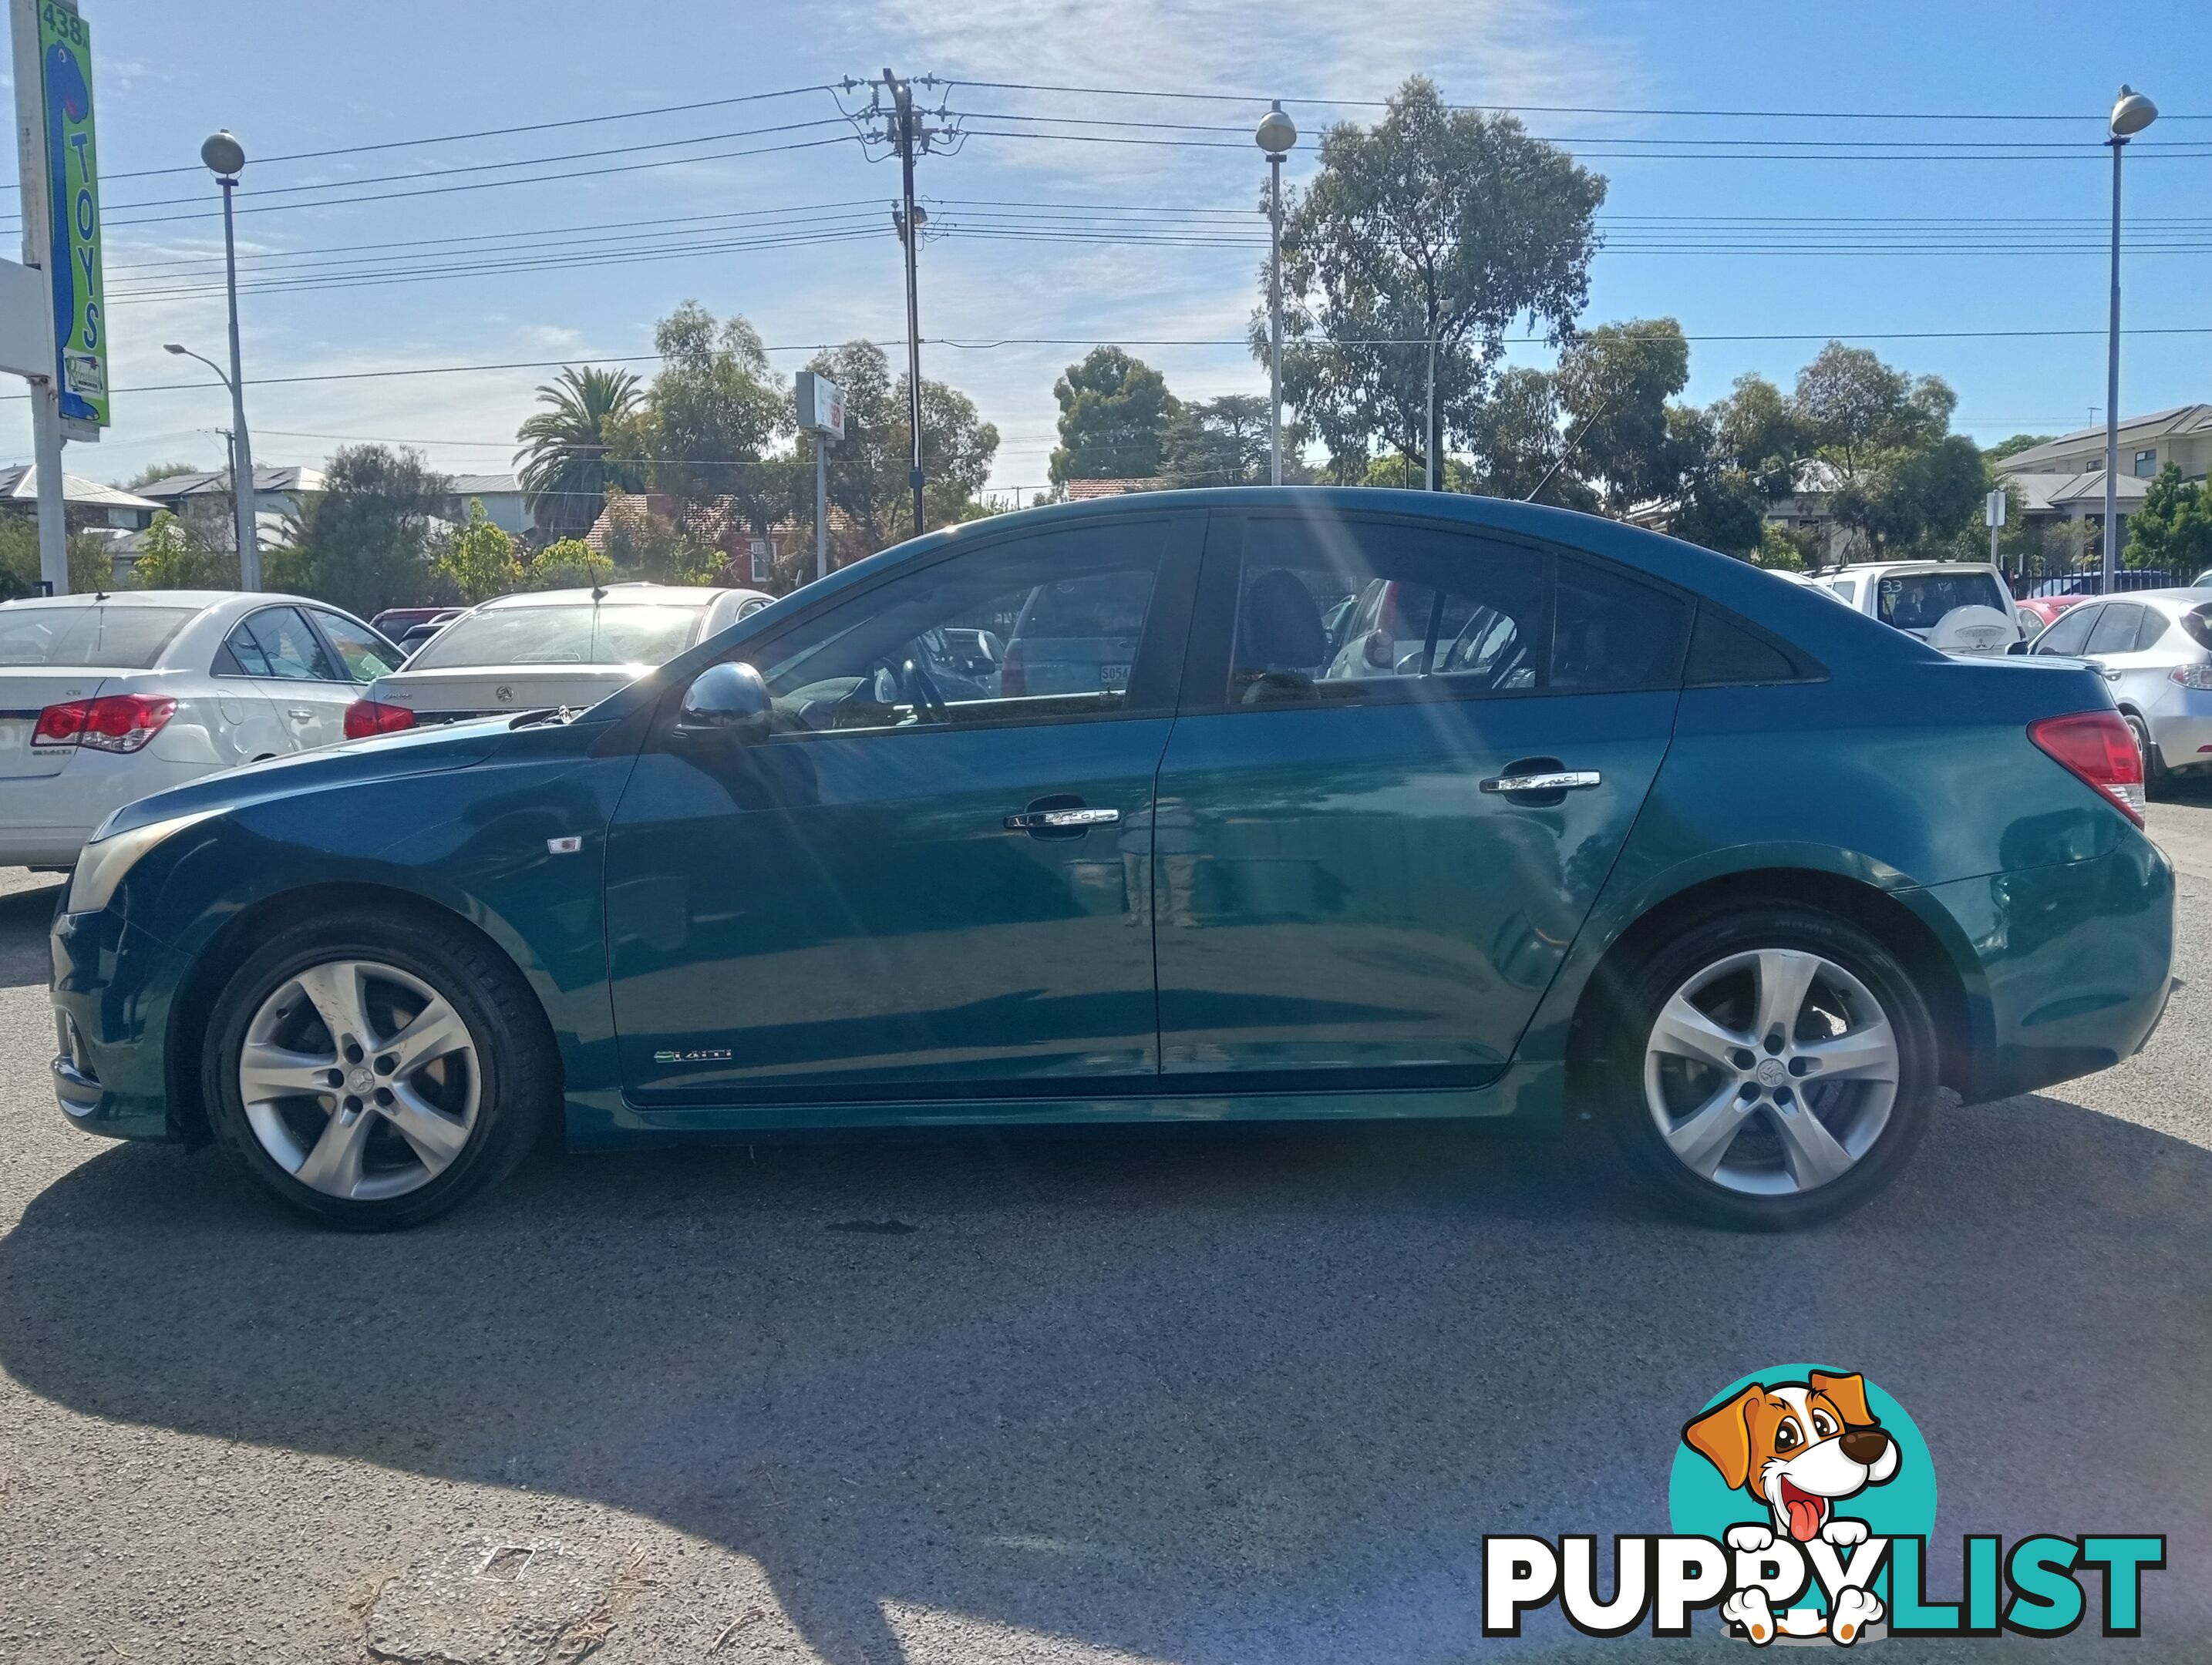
[374, 1075]
[1773, 1068]
[2156, 776]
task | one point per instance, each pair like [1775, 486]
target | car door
[300, 677]
[1353, 890]
[907, 891]
[2122, 646]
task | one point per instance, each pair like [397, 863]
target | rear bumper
[113, 985]
[2180, 727]
[2076, 963]
[45, 819]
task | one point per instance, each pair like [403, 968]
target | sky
[1820, 203]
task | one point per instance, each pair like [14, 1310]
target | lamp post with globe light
[1276, 134]
[2131, 113]
[226, 158]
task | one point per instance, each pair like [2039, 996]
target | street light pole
[2131, 113]
[225, 157]
[1276, 134]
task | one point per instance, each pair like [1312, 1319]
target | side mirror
[2020, 647]
[726, 699]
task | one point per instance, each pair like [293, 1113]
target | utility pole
[906, 132]
[1275, 135]
[1428, 435]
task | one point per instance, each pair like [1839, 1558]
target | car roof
[618, 595]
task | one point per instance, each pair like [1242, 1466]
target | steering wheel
[921, 693]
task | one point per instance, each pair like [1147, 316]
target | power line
[1258, 99]
[479, 133]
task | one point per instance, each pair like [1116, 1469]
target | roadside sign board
[73, 205]
[1993, 509]
[821, 405]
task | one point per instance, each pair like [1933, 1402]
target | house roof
[1081, 490]
[179, 486]
[2047, 493]
[485, 485]
[2048, 457]
[21, 483]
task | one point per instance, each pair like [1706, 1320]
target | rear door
[303, 681]
[1351, 891]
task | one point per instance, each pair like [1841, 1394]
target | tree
[1114, 413]
[708, 424]
[1721, 501]
[640, 544]
[869, 496]
[477, 558]
[569, 563]
[171, 557]
[1517, 448]
[1218, 442]
[363, 542]
[1433, 226]
[1614, 384]
[2015, 444]
[565, 466]
[2173, 530]
[1899, 476]
[91, 560]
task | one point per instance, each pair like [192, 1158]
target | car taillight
[366, 717]
[2191, 675]
[114, 722]
[2100, 748]
[1014, 671]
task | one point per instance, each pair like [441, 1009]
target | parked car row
[1255, 803]
[107, 698]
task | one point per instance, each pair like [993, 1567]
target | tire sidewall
[428, 955]
[1656, 977]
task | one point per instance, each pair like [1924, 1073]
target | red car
[2036, 613]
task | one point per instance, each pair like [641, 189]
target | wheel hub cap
[359, 1080]
[1771, 1072]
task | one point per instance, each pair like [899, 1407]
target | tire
[2158, 780]
[391, 1126]
[1769, 1131]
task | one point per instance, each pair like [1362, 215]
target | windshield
[582, 633]
[1919, 601]
[112, 638]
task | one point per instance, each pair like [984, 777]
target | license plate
[1113, 676]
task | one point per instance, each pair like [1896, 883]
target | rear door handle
[298, 711]
[1060, 820]
[1562, 780]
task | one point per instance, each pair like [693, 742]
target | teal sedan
[1249, 803]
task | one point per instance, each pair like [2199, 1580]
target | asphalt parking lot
[1205, 1397]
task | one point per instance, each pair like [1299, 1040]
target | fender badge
[695, 1055]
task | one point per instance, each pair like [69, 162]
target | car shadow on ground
[1205, 1395]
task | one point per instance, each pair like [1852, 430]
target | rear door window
[1919, 601]
[277, 642]
[2115, 632]
[108, 638]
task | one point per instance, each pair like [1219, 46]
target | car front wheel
[1773, 1068]
[374, 1075]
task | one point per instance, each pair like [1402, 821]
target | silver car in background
[555, 647]
[111, 697]
[2154, 647]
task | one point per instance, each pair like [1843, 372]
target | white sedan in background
[107, 698]
[555, 647]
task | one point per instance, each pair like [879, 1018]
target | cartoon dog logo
[1800, 1448]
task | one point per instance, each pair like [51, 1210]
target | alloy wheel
[359, 1080]
[1771, 1072]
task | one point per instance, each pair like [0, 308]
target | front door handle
[1561, 779]
[1060, 820]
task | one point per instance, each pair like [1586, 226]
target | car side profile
[1608, 825]
[111, 696]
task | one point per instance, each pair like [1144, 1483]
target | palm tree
[564, 464]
